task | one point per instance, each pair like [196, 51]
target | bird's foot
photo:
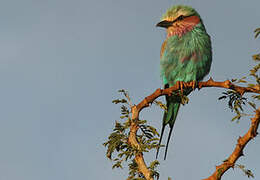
[180, 86]
[194, 85]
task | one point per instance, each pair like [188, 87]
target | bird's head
[179, 20]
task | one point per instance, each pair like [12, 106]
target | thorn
[232, 165]
[252, 136]
[239, 138]
[227, 83]
[159, 90]
[146, 102]
[200, 86]
[218, 167]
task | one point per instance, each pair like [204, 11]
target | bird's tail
[169, 117]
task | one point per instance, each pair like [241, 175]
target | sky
[62, 62]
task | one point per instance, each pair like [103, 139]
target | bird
[185, 56]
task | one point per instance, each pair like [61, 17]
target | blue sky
[62, 62]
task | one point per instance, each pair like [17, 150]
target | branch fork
[241, 142]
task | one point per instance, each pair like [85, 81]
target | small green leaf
[184, 100]
[116, 101]
[253, 105]
[154, 164]
[242, 81]
[117, 165]
[257, 32]
[249, 173]
[121, 90]
[236, 117]
[256, 57]
[161, 105]
[256, 97]
[222, 97]
[250, 85]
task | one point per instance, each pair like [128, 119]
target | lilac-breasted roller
[185, 56]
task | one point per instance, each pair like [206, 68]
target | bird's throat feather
[182, 27]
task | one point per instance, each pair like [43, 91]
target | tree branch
[136, 109]
[210, 83]
[238, 151]
[133, 141]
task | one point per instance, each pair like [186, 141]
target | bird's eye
[181, 17]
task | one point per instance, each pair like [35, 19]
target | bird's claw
[180, 86]
[194, 85]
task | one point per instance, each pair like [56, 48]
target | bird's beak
[164, 24]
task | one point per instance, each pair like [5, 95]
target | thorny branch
[210, 83]
[220, 170]
[238, 151]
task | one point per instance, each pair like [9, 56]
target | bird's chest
[181, 60]
[180, 52]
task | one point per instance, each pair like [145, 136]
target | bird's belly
[186, 71]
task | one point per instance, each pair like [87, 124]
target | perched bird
[185, 56]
